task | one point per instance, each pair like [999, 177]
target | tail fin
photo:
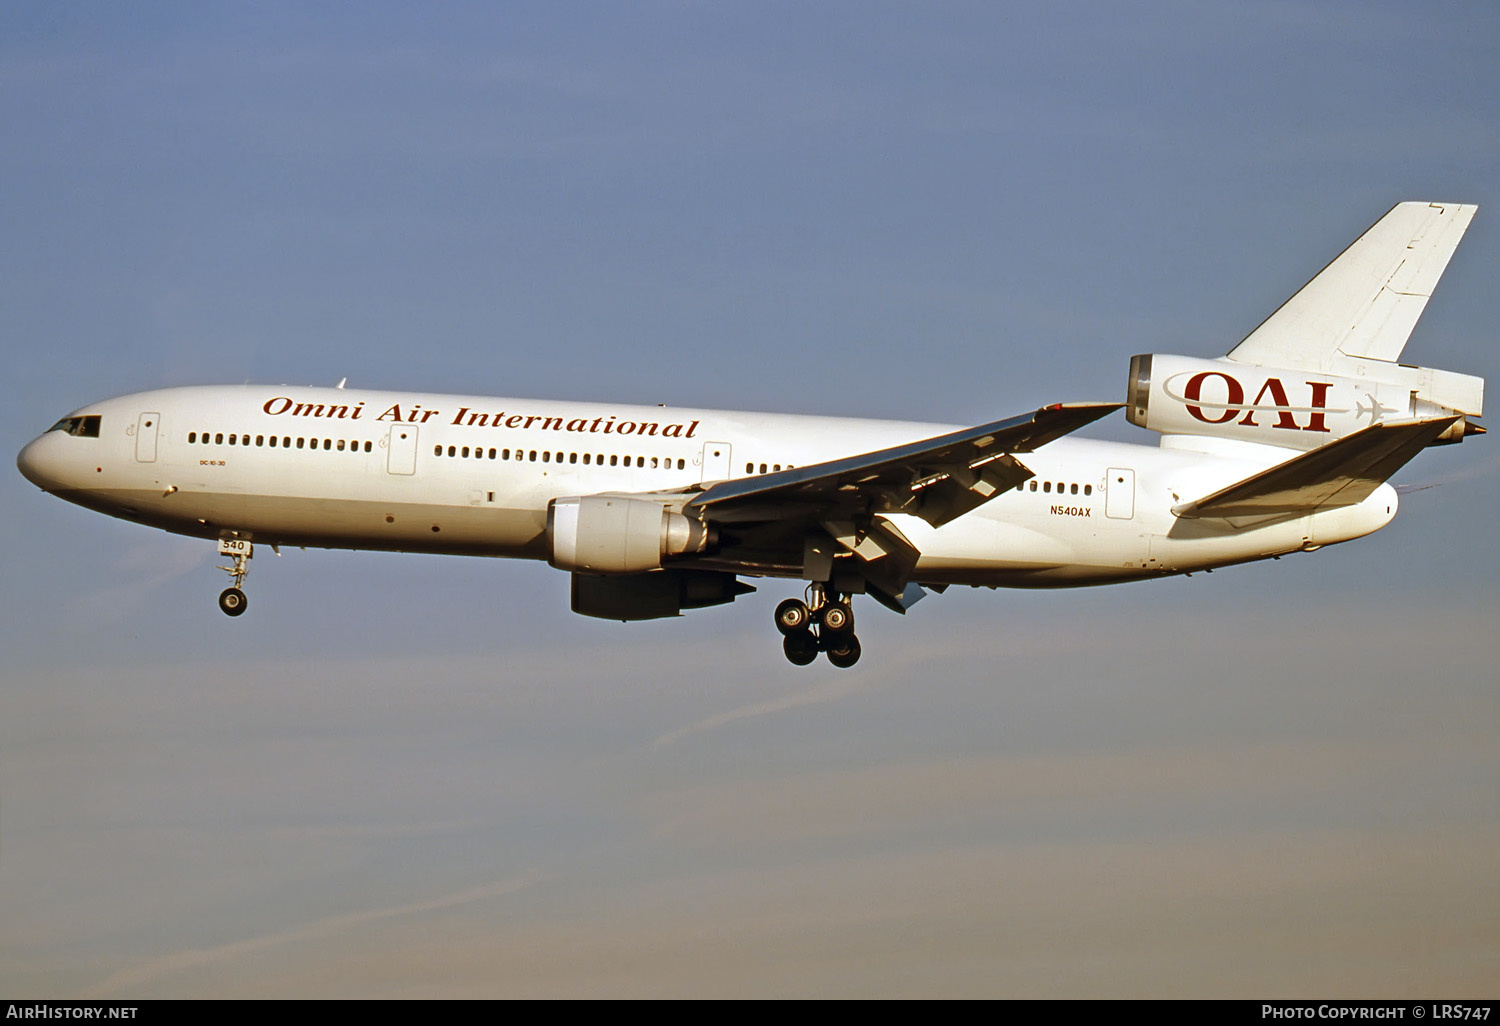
[1323, 363]
[1365, 304]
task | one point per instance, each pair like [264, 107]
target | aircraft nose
[37, 464]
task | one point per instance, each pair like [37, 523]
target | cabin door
[716, 461]
[145, 437]
[1119, 493]
[401, 455]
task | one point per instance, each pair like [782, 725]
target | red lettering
[1194, 393]
[1320, 403]
[1284, 418]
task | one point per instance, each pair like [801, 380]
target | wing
[795, 522]
[938, 479]
[1341, 473]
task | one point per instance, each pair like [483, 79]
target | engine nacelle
[1295, 409]
[651, 596]
[618, 534]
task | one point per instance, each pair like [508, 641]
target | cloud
[327, 929]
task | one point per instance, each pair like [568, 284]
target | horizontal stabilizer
[1365, 304]
[1341, 473]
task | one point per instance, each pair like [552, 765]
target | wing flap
[1341, 473]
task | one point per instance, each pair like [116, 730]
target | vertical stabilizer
[1364, 305]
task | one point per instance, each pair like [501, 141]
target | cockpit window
[80, 427]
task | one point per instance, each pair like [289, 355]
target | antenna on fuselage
[342, 383]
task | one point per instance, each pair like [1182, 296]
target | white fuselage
[473, 475]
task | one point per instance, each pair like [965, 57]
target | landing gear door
[145, 437]
[401, 444]
[716, 461]
[1119, 493]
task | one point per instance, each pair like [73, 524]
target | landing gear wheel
[836, 618]
[792, 617]
[800, 647]
[842, 650]
[232, 601]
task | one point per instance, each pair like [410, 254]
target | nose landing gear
[232, 600]
[827, 625]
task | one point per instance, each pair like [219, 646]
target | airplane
[1283, 445]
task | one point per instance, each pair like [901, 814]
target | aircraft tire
[800, 648]
[843, 650]
[792, 617]
[232, 601]
[836, 618]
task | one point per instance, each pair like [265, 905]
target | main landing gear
[232, 599]
[827, 626]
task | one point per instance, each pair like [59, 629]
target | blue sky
[423, 775]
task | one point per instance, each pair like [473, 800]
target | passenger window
[533, 456]
[437, 450]
[1073, 489]
[341, 445]
[299, 442]
[272, 440]
[192, 437]
[613, 459]
[1046, 486]
[1088, 489]
[367, 447]
[572, 457]
[749, 468]
[260, 439]
[492, 455]
[680, 464]
[586, 458]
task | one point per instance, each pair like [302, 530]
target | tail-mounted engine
[1295, 409]
[618, 534]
